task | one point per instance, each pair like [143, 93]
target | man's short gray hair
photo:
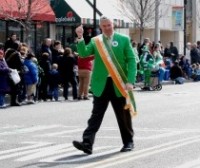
[103, 18]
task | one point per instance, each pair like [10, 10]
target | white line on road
[37, 151]
[60, 157]
[191, 164]
[110, 162]
[59, 133]
[163, 135]
[24, 148]
[29, 130]
[48, 152]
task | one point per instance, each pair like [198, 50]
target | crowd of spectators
[169, 63]
[53, 68]
[43, 73]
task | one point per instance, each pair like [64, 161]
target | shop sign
[68, 18]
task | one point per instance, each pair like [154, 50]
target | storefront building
[41, 21]
[57, 19]
[69, 15]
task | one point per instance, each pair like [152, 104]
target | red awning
[40, 10]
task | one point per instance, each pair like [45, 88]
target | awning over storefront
[40, 10]
[73, 12]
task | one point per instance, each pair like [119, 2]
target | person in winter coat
[84, 74]
[68, 75]
[4, 78]
[176, 73]
[45, 64]
[30, 77]
[54, 81]
[13, 59]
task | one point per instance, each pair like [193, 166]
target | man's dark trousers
[100, 105]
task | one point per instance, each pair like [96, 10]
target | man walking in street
[113, 76]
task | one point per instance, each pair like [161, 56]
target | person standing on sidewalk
[4, 79]
[110, 50]
[84, 73]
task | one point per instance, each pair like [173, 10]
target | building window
[2, 31]
[14, 27]
[42, 33]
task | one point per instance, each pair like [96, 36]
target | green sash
[120, 70]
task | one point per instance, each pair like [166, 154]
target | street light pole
[94, 17]
[184, 29]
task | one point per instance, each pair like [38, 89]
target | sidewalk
[138, 85]
[165, 82]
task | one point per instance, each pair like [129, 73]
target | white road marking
[147, 154]
[55, 134]
[93, 156]
[29, 130]
[38, 144]
[163, 135]
[48, 152]
[56, 153]
[59, 157]
[191, 164]
[33, 151]
[141, 153]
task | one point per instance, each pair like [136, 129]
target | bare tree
[197, 15]
[140, 11]
[23, 12]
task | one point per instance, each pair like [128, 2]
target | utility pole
[94, 17]
[157, 31]
[184, 29]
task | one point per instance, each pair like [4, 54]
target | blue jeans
[2, 99]
[161, 74]
[54, 92]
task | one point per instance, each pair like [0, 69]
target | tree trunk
[141, 33]
[27, 34]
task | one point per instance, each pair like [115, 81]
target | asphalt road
[166, 133]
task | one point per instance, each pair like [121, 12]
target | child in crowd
[54, 81]
[196, 72]
[30, 77]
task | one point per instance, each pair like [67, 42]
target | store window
[64, 34]
[2, 31]
[29, 37]
[14, 27]
[42, 33]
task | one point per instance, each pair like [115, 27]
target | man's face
[14, 37]
[107, 27]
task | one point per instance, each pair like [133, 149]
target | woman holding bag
[4, 78]
[12, 57]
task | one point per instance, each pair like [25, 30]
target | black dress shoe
[128, 147]
[86, 148]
